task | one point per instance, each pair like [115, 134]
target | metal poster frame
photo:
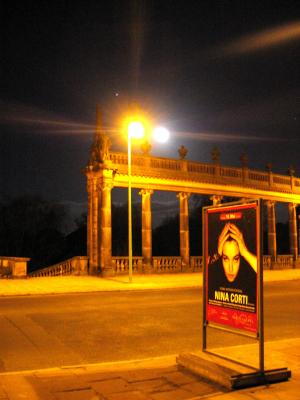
[259, 334]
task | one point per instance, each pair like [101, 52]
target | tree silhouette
[32, 227]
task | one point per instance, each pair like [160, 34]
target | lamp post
[136, 130]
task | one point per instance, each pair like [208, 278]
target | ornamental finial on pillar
[182, 151]
[215, 155]
[99, 151]
[99, 122]
[291, 170]
[244, 160]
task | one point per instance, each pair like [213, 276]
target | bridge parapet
[183, 173]
[160, 265]
[73, 266]
[13, 267]
[121, 265]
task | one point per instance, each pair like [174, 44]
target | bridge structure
[107, 169]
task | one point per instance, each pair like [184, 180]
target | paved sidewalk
[80, 284]
[152, 379]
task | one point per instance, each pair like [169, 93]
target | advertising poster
[231, 253]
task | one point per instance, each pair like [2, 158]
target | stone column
[293, 230]
[272, 245]
[146, 229]
[105, 230]
[92, 224]
[184, 229]
[216, 199]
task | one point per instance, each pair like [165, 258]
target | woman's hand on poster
[237, 235]
[223, 237]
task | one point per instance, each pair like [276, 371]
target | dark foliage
[32, 227]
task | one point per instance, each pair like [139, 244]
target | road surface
[55, 330]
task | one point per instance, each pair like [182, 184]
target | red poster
[231, 253]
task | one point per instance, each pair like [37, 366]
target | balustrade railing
[167, 264]
[284, 262]
[73, 266]
[231, 172]
[207, 169]
[267, 262]
[281, 180]
[121, 265]
[79, 265]
[196, 263]
[201, 171]
[174, 264]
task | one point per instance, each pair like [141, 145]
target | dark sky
[222, 73]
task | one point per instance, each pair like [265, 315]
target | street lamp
[136, 130]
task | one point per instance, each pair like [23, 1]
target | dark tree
[32, 227]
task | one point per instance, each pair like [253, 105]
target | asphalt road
[55, 330]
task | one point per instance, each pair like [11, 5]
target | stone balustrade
[73, 266]
[207, 172]
[196, 263]
[167, 264]
[284, 262]
[121, 265]
[16, 266]
[174, 264]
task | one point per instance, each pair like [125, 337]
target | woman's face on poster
[231, 259]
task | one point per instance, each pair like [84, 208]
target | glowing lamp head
[161, 134]
[136, 130]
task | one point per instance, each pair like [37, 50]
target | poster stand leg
[260, 378]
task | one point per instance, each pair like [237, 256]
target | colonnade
[99, 187]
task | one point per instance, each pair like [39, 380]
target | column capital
[270, 203]
[183, 195]
[146, 192]
[107, 185]
[216, 199]
[292, 205]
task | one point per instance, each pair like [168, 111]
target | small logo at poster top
[230, 215]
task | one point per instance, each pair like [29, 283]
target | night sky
[222, 73]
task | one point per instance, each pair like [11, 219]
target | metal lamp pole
[129, 211]
[136, 130]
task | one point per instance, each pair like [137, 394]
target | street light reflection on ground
[136, 130]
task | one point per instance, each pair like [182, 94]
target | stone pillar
[293, 230]
[105, 231]
[216, 199]
[92, 224]
[146, 229]
[184, 229]
[272, 245]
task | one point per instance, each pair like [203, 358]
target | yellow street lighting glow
[136, 130]
[161, 134]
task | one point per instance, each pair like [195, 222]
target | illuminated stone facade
[107, 169]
